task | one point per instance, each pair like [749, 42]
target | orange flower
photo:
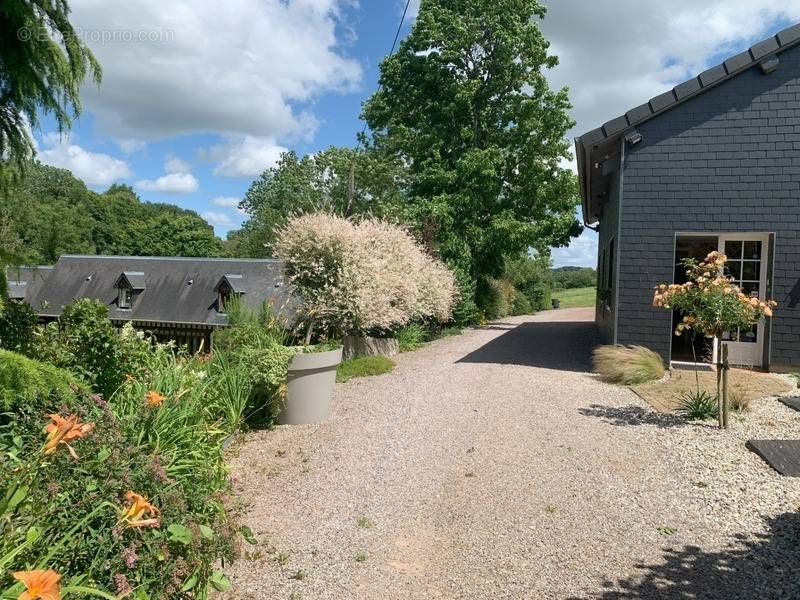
[154, 399]
[63, 431]
[39, 584]
[137, 509]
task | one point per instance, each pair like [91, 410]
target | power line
[394, 45]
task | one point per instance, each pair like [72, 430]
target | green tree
[465, 105]
[42, 66]
[49, 212]
[316, 182]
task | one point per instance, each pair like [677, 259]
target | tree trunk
[719, 383]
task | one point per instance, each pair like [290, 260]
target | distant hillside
[573, 277]
[52, 213]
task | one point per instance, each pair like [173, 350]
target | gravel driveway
[492, 465]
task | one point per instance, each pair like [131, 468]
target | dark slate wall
[725, 161]
[608, 230]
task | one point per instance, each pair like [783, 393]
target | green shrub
[84, 341]
[627, 365]
[364, 366]
[411, 337]
[167, 447]
[521, 305]
[495, 297]
[699, 405]
[25, 383]
[17, 323]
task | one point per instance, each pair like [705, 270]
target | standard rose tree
[712, 304]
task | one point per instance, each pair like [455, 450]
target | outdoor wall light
[633, 138]
[769, 65]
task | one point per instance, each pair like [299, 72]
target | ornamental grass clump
[627, 365]
[712, 305]
[358, 277]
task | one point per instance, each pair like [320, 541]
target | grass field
[577, 297]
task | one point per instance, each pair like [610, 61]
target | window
[224, 298]
[610, 281]
[125, 297]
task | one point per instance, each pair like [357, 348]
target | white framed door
[747, 264]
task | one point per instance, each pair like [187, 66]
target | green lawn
[363, 366]
[577, 297]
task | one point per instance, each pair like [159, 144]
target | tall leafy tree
[317, 182]
[465, 105]
[43, 63]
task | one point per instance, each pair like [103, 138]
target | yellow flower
[39, 584]
[154, 399]
[138, 507]
[64, 430]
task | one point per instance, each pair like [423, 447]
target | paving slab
[781, 455]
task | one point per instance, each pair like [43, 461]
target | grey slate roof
[24, 282]
[167, 289]
[595, 146]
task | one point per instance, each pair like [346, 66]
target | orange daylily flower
[64, 430]
[39, 584]
[154, 399]
[138, 508]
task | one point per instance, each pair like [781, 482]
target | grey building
[180, 299]
[713, 164]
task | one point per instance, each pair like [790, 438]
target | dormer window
[229, 286]
[128, 284]
[125, 297]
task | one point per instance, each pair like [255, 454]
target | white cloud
[617, 55]
[218, 219]
[171, 183]
[246, 156]
[177, 165]
[226, 201]
[192, 66]
[94, 168]
[581, 252]
[130, 145]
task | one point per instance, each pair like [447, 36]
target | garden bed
[665, 395]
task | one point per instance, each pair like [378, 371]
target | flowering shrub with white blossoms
[354, 277]
[710, 301]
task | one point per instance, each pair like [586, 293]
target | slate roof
[167, 289]
[596, 146]
[24, 282]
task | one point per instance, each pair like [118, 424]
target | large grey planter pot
[369, 346]
[310, 388]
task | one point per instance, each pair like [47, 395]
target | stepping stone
[781, 455]
[791, 401]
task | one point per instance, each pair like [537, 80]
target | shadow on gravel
[632, 415]
[761, 568]
[564, 345]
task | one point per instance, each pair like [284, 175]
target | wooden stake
[351, 187]
[725, 369]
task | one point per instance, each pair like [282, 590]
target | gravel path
[492, 465]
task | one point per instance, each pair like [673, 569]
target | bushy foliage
[627, 365]
[72, 508]
[495, 297]
[50, 212]
[26, 384]
[530, 276]
[84, 341]
[410, 337]
[364, 276]
[17, 323]
[710, 301]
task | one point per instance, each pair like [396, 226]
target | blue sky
[197, 101]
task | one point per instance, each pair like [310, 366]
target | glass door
[747, 265]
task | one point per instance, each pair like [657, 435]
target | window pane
[750, 289]
[751, 337]
[733, 250]
[751, 270]
[727, 336]
[734, 269]
[752, 250]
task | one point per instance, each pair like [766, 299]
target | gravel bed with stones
[493, 465]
